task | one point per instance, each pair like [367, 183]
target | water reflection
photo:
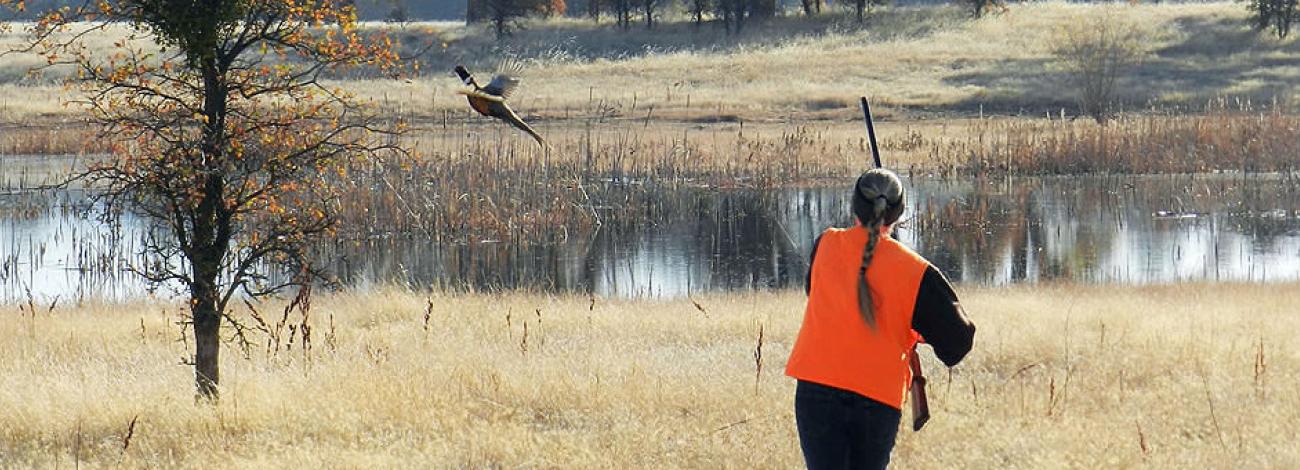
[1089, 229]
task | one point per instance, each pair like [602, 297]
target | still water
[1096, 229]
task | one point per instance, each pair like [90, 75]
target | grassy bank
[911, 60]
[1062, 376]
[776, 104]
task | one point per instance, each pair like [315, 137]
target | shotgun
[920, 406]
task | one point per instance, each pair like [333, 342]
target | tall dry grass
[1061, 377]
[1233, 136]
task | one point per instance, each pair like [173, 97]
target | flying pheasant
[490, 100]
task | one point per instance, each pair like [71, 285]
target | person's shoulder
[907, 252]
[834, 232]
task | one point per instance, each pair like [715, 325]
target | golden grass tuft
[1062, 376]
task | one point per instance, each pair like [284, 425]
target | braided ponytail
[877, 201]
[866, 305]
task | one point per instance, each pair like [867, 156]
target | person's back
[871, 299]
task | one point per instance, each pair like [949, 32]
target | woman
[870, 300]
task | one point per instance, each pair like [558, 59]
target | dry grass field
[777, 102]
[912, 61]
[1187, 376]
[909, 60]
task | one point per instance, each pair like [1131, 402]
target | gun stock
[920, 406]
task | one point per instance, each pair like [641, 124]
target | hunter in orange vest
[870, 300]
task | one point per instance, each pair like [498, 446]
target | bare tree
[1096, 53]
[504, 14]
[223, 134]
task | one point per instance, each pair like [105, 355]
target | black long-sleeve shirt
[937, 316]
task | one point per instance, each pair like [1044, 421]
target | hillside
[920, 59]
[913, 61]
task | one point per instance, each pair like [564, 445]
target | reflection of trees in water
[677, 240]
[974, 233]
[1266, 213]
[650, 242]
[697, 240]
[1016, 229]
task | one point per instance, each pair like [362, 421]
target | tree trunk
[210, 239]
[212, 232]
[207, 343]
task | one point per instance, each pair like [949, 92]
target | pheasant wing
[502, 85]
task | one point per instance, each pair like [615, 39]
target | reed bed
[1061, 376]
[65, 139]
[1231, 137]
[466, 183]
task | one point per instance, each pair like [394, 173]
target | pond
[1093, 229]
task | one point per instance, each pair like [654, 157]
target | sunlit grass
[908, 59]
[1062, 376]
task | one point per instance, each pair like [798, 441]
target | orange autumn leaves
[223, 121]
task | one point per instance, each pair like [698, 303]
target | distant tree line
[730, 14]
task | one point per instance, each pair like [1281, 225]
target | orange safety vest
[835, 346]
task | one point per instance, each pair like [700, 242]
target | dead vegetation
[1180, 376]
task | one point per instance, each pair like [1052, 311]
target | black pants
[839, 429]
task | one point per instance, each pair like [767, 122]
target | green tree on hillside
[223, 132]
[1278, 15]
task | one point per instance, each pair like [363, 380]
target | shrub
[1096, 53]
